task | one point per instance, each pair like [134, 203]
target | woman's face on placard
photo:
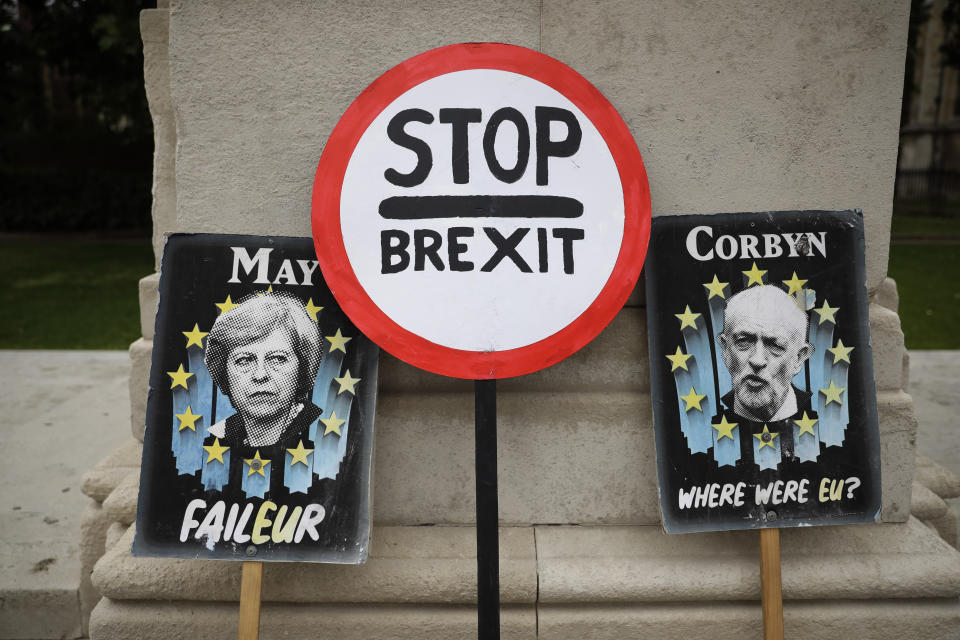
[262, 376]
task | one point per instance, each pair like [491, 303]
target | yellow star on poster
[724, 429]
[263, 293]
[841, 352]
[826, 313]
[215, 451]
[188, 419]
[833, 393]
[768, 442]
[196, 336]
[687, 318]
[754, 275]
[338, 342]
[300, 455]
[312, 309]
[259, 467]
[693, 400]
[716, 288]
[332, 424]
[679, 360]
[347, 383]
[806, 425]
[179, 377]
[225, 306]
[795, 284]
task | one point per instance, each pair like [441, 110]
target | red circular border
[410, 347]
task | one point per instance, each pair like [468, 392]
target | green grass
[71, 293]
[928, 279]
[935, 226]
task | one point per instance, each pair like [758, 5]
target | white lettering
[242, 259]
[692, 242]
[188, 520]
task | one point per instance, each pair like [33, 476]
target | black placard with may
[260, 416]
[762, 376]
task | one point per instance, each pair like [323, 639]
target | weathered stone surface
[898, 434]
[616, 360]
[886, 342]
[121, 505]
[93, 533]
[434, 565]
[256, 99]
[642, 564]
[155, 31]
[114, 534]
[746, 107]
[140, 353]
[149, 298]
[107, 474]
[562, 457]
[125, 620]
[39, 602]
[946, 525]
[925, 504]
[806, 620]
[937, 478]
[887, 295]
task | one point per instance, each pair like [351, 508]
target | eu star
[215, 451]
[833, 393]
[347, 383]
[332, 424]
[724, 429]
[693, 400]
[179, 377]
[806, 425]
[679, 360]
[795, 284]
[300, 454]
[766, 438]
[312, 309]
[256, 464]
[196, 336]
[716, 288]
[754, 275]
[338, 341]
[687, 318]
[841, 352]
[826, 313]
[226, 305]
[188, 419]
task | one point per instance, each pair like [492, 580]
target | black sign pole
[488, 544]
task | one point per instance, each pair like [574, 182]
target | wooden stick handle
[771, 592]
[250, 582]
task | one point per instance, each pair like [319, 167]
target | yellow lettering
[283, 531]
[262, 522]
[824, 490]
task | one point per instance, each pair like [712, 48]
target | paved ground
[62, 411]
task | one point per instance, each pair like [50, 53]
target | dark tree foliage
[950, 49]
[75, 132]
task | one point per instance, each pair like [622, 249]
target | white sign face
[504, 262]
[481, 211]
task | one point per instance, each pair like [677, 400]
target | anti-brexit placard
[762, 376]
[260, 416]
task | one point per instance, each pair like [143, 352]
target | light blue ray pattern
[253, 484]
[215, 474]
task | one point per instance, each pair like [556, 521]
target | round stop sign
[481, 211]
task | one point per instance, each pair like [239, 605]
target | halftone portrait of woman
[264, 355]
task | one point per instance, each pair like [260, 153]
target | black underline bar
[500, 206]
